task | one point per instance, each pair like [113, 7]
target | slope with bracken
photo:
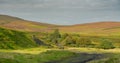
[11, 39]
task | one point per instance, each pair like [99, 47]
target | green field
[68, 55]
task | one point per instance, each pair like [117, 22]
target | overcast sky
[62, 11]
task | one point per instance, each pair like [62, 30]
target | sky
[62, 12]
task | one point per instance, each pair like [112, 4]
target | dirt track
[80, 58]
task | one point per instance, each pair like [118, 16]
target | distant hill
[95, 28]
[24, 25]
[10, 39]
[14, 23]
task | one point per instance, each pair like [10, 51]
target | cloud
[81, 4]
[62, 11]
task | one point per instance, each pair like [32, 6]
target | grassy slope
[10, 39]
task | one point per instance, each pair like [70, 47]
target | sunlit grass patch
[42, 57]
[29, 50]
[94, 50]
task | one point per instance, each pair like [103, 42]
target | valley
[24, 41]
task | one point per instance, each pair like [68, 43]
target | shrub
[83, 42]
[106, 44]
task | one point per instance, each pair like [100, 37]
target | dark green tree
[55, 36]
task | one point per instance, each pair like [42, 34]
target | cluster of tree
[60, 40]
[75, 40]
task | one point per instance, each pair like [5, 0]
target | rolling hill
[94, 28]
[14, 23]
